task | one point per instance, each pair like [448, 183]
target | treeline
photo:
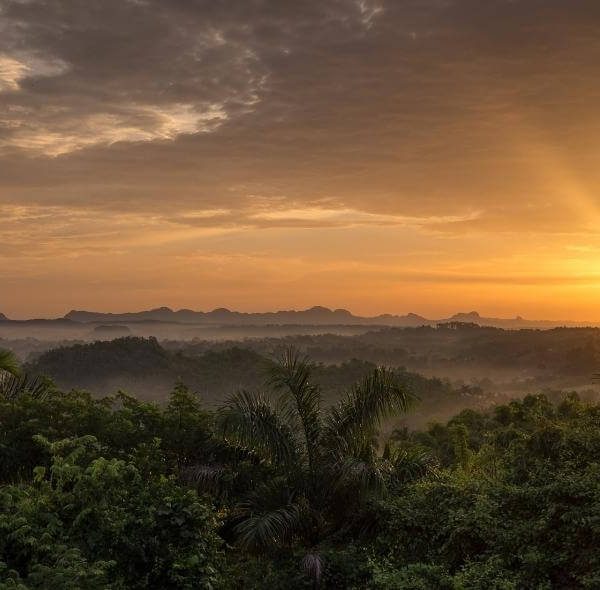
[143, 366]
[148, 369]
[558, 352]
[278, 490]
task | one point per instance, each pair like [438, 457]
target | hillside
[565, 357]
[503, 362]
[145, 368]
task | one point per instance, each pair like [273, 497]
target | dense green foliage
[8, 363]
[518, 506]
[322, 463]
[93, 522]
[280, 490]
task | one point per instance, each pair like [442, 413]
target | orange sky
[379, 156]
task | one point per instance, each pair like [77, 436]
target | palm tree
[323, 463]
[13, 383]
[9, 363]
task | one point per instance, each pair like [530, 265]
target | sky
[427, 156]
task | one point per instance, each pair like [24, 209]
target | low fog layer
[452, 367]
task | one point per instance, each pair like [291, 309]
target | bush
[92, 522]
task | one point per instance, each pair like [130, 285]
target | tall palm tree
[324, 462]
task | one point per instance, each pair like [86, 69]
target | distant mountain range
[315, 316]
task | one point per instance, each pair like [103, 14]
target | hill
[145, 368]
[317, 315]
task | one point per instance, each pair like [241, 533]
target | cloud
[15, 69]
[133, 123]
[12, 72]
[47, 232]
[344, 217]
[127, 72]
[143, 71]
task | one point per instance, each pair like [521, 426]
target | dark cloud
[394, 106]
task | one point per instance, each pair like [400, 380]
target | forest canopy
[277, 489]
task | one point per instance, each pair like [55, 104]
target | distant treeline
[561, 357]
[148, 369]
[516, 359]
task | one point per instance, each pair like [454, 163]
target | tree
[13, 382]
[8, 363]
[323, 463]
[93, 522]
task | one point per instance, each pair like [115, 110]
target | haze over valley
[462, 361]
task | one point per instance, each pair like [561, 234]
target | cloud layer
[425, 125]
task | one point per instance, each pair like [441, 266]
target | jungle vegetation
[276, 488]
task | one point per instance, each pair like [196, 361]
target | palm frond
[14, 386]
[357, 477]
[410, 464]
[270, 515]
[250, 421]
[269, 529]
[9, 362]
[312, 565]
[376, 397]
[207, 478]
[301, 398]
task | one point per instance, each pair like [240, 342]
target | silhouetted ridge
[472, 316]
[316, 315]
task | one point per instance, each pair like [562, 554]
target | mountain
[221, 315]
[78, 320]
[471, 317]
[317, 315]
